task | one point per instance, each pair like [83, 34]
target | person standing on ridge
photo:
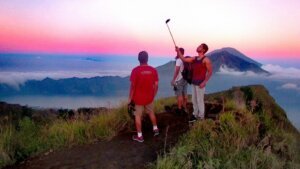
[180, 85]
[143, 88]
[202, 71]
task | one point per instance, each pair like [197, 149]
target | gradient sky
[258, 28]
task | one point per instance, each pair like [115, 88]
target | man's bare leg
[180, 102]
[138, 123]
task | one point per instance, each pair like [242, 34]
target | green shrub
[7, 145]
[62, 133]
[252, 158]
[159, 105]
[266, 121]
[107, 125]
[18, 144]
[230, 105]
[27, 139]
[233, 143]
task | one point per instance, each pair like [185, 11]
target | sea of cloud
[289, 76]
[15, 79]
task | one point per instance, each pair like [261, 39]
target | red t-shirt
[143, 78]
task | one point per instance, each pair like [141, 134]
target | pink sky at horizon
[257, 28]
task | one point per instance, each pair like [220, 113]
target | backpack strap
[201, 60]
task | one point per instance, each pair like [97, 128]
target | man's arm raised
[189, 60]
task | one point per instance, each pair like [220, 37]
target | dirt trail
[120, 152]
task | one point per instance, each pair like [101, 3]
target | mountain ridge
[115, 85]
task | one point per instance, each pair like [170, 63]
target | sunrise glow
[266, 28]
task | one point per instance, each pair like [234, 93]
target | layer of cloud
[15, 79]
[291, 86]
[277, 72]
[289, 77]
[282, 72]
[228, 71]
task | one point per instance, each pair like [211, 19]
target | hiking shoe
[156, 132]
[139, 139]
[192, 119]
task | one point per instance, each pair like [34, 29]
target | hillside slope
[251, 132]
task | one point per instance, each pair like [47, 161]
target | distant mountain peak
[235, 60]
[237, 53]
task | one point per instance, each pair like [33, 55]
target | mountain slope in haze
[118, 86]
[166, 69]
[101, 86]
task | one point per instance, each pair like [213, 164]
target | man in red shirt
[202, 71]
[143, 88]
